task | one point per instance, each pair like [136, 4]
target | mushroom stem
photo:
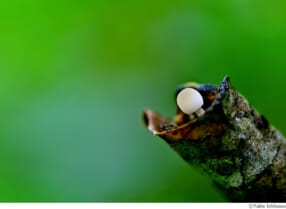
[200, 112]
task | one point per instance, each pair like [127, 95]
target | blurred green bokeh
[75, 76]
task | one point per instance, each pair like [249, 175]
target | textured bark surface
[243, 153]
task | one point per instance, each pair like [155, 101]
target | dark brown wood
[243, 153]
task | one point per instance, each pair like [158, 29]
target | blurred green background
[76, 75]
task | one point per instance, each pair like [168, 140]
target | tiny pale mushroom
[190, 101]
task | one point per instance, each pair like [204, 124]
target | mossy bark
[243, 153]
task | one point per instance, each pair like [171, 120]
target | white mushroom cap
[189, 100]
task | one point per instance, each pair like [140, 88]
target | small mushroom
[190, 101]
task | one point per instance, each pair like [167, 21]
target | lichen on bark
[232, 142]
